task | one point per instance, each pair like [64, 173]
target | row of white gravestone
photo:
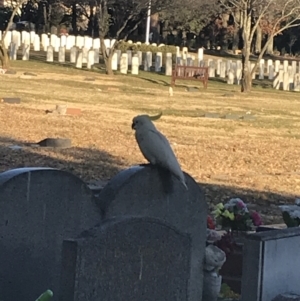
[286, 75]
[43, 41]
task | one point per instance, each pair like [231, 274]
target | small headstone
[124, 63]
[25, 52]
[212, 115]
[277, 64]
[168, 64]
[261, 74]
[294, 67]
[230, 77]
[49, 54]
[57, 45]
[129, 57]
[271, 72]
[286, 81]
[135, 65]
[61, 54]
[84, 55]
[45, 42]
[114, 62]
[211, 69]
[96, 56]
[158, 61]
[36, 43]
[297, 82]
[285, 65]
[223, 69]
[13, 51]
[73, 54]
[91, 57]
[11, 100]
[79, 41]
[140, 56]
[79, 59]
[148, 61]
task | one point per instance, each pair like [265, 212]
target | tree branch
[11, 19]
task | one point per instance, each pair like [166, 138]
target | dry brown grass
[261, 155]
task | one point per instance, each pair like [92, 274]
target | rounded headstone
[149, 191]
[39, 208]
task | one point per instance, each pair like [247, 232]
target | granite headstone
[39, 208]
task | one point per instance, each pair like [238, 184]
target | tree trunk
[74, 19]
[237, 30]
[246, 82]
[4, 58]
[258, 39]
[108, 65]
[236, 38]
[270, 46]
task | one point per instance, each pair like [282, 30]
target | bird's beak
[132, 126]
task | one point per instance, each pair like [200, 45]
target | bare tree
[292, 40]
[4, 58]
[280, 16]
[126, 15]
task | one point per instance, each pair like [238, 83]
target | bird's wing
[155, 146]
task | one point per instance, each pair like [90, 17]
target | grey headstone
[248, 117]
[39, 208]
[151, 192]
[232, 116]
[212, 115]
[133, 258]
[271, 264]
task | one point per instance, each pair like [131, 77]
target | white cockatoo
[155, 146]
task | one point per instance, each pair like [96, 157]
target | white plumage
[155, 146]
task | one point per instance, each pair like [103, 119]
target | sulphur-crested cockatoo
[155, 146]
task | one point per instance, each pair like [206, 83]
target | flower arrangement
[235, 216]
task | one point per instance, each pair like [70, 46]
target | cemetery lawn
[261, 155]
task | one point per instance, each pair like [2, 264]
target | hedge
[124, 46]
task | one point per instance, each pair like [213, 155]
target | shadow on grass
[86, 163]
[92, 164]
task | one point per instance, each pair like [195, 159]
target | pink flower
[257, 221]
[240, 204]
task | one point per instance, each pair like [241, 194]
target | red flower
[210, 223]
[257, 221]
